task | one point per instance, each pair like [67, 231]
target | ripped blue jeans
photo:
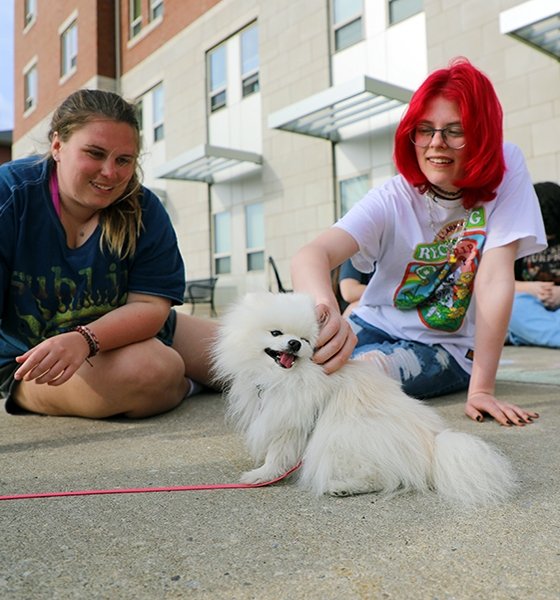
[424, 371]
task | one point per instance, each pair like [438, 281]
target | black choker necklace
[444, 194]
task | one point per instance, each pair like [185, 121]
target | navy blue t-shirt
[349, 271]
[46, 287]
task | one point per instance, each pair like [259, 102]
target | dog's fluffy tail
[468, 471]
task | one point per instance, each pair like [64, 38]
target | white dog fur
[355, 430]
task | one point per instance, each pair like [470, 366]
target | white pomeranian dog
[354, 430]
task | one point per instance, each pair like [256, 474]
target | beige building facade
[264, 120]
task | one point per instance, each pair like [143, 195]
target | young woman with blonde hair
[89, 271]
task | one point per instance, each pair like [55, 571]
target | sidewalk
[276, 542]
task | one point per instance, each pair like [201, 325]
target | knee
[157, 385]
[155, 373]
[402, 364]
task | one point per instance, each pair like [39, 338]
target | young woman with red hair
[454, 220]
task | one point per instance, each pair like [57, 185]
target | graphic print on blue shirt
[46, 287]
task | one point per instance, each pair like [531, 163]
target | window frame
[29, 13]
[221, 90]
[134, 20]
[139, 108]
[156, 9]
[362, 177]
[69, 60]
[258, 249]
[219, 256]
[338, 26]
[250, 80]
[158, 120]
[408, 13]
[30, 94]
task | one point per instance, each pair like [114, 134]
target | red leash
[179, 488]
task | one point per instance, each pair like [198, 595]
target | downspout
[211, 179]
[210, 228]
[332, 141]
[118, 47]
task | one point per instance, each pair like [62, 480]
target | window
[399, 10]
[254, 234]
[156, 9]
[69, 49]
[158, 112]
[347, 22]
[222, 243]
[351, 190]
[150, 112]
[29, 12]
[250, 60]
[135, 17]
[30, 88]
[139, 106]
[217, 77]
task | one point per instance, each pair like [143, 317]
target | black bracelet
[90, 338]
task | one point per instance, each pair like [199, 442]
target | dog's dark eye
[306, 340]
[275, 333]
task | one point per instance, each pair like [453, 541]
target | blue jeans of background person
[424, 370]
[532, 324]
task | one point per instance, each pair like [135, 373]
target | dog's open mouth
[284, 359]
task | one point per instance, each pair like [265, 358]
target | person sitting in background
[352, 284]
[535, 318]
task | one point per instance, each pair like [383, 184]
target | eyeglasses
[453, 136]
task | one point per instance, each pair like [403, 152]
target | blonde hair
[121, 222]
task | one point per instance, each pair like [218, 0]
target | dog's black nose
[294, 345]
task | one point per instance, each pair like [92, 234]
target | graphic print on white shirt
[439, 281]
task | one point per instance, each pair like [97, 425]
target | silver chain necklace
[458, 231]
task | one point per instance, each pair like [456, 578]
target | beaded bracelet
[90, 338]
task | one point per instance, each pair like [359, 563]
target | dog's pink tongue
[287, 360]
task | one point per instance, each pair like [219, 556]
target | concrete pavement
[275, 542]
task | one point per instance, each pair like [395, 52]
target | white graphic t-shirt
[425, 261]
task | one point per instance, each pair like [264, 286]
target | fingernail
[479, 419]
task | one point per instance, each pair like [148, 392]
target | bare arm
[140, 318]
[56, 359]
[494, 288]
[542, 290]
[311, 268]
[351, 289]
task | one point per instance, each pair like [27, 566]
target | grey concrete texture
[276, 542]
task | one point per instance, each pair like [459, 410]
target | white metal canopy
[203, 162]
[535, 22]
[325, 113]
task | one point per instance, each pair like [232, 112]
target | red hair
[481, 118]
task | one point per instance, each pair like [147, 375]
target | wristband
[90, 338]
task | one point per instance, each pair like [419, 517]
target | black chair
[279, 284]
[201, 291]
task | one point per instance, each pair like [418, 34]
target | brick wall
[42, 40]
[178, 15]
